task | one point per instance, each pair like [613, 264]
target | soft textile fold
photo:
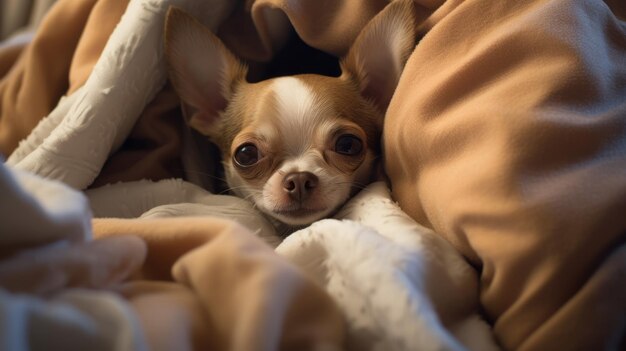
[506, 135]
[255, 300]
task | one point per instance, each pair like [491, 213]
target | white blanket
[400, 285]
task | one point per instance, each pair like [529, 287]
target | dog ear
[202, 70]
[377, 57]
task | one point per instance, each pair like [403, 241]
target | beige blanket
[505, 135]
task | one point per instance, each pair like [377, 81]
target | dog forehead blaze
[299, 112]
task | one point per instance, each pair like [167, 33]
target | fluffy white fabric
[175, 198]
[36, 212]
[399, 284]
[75, 320]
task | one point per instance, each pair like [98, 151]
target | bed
[502, 224]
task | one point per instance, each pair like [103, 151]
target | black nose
[299, 185]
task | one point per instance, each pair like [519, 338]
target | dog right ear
[202, 70]
[378, 55]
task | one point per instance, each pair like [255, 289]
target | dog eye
[247, 155]
[348, 144]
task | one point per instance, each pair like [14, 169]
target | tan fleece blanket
[505, 135]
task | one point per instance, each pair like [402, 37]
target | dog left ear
[377, 57]
[202, 70]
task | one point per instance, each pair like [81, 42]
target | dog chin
[301, 216]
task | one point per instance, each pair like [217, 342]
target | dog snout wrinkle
[299, 185]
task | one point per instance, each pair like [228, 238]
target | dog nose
[299, 185]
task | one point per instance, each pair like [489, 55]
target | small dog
[299, 146]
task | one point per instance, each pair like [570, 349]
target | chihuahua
[298, 146]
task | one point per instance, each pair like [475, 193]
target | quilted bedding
[504, 148]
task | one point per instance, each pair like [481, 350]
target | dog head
[299, 146]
